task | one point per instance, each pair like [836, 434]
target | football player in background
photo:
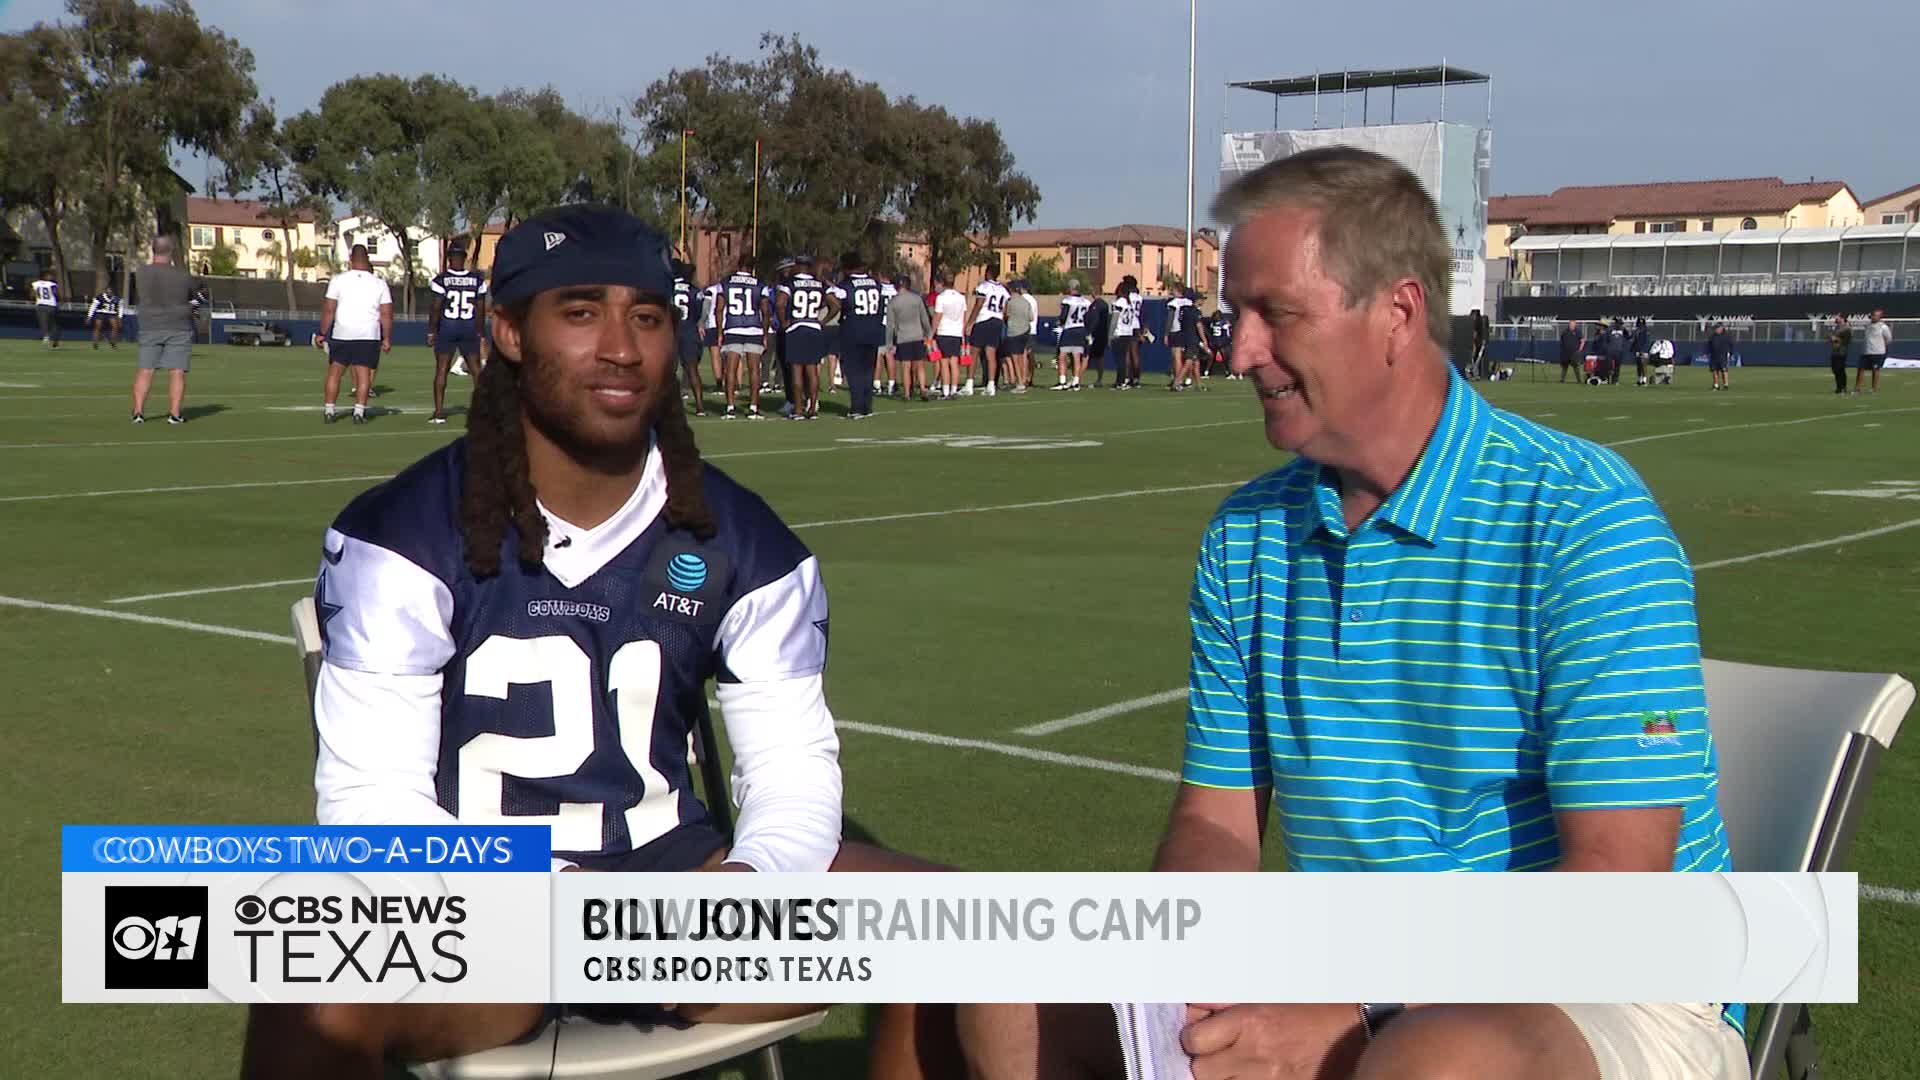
[743, 334]
[104, 314]
[987, 328]
[1183, 338]
[453, 324]
[1073, 337]
[572, 541]
[46, 308]
[686, 311]
[806, 302]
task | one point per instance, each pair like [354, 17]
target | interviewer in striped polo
[1443, 637]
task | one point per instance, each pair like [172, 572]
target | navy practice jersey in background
[570, 704]
[805, 301]
[740, 306]
[865, 314]
[458, 293]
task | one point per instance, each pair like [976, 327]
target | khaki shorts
[1661, 1042]
[746, 348]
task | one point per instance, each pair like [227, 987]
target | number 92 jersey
[567, 692]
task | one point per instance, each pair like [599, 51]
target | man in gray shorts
[166, 329]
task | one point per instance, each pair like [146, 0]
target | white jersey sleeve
[786, 754]
[376, 705]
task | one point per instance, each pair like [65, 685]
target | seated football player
[519, 628]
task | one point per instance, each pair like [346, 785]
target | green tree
[1171, 281]
[840, 164]
[38, 153]
[141, 80]
[223, 261]
[258, 159]
[365, 145]
[1044, 276]
[959, 180]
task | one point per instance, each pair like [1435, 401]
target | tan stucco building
[255, 235]
[1899, 208]
[1680, 206]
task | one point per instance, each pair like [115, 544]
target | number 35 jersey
[567, 692]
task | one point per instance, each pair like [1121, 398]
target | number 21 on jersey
[557, 660]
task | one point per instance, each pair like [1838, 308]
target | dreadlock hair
[499, 490]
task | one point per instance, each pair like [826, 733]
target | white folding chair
[579, 1048]
[1797, 755]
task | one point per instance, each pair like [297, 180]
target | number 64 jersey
[566, 694]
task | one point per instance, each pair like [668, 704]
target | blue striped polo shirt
[1512, 633]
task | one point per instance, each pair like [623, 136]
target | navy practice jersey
[740, 305]
[458, 293]
[569, 705]
[683, 301]
[804, 301]
[864, 316]
[1220, 329]
[104, 304]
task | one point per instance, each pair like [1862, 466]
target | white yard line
[1118, 708]
[1759, 424]
[1811, 546]
[928, 738]
[308, 581]
[161, 442]
[151, 620]
[187, 487]
[1909, 897]
[1017, 506]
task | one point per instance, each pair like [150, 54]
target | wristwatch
[1374, 1016]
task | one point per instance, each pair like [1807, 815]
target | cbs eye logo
[156, 937]
[250, 910]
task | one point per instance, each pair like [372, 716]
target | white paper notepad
[1150, 1040]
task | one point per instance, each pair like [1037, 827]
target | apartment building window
[1894, 219]
[202, 236]
[1667, 226]
[1160, 262]
[1086, 257]
[1749, 223]
[1139, 255]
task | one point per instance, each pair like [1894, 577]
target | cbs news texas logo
[157, 938]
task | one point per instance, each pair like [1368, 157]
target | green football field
[994, 565]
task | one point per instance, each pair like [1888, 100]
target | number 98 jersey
[568, 692]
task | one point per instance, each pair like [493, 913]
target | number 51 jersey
[568, 692]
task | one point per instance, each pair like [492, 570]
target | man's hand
[386, 345]
[1282, 1042]
[430, 336]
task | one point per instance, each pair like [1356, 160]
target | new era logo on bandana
[555, 239]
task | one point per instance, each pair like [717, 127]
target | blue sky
[1092, 97]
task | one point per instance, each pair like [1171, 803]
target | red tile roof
[238, 212]
[1166, 235]
[1600, 204]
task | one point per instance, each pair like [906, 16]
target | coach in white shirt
[950, 316]
[356, 326]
